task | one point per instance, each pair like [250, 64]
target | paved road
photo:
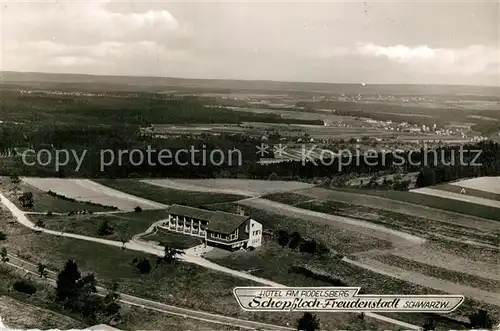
[30, 268]
[138, 246]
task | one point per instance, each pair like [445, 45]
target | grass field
[90, 191]
[44, 202]
[143, 319]
[462, 249]
[363, 198]
[409, 224]
[435, 191]
[461, 207]
[171, 239]
[455, 188]
[125, 225]
[484, 184]
[289, 198]
[165, 195]
[274, 262]
[442, 273]
[39, 312]
[245, 187]
[180, 284]
[22, 311]
[339, 240]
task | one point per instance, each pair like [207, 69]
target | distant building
[103, 327]
[219, 229]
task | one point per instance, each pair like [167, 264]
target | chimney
[240, 211]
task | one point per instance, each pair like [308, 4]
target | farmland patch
[167, 196]
[244, 187]
[491, 205]
[89, 191]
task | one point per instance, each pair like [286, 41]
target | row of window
[256, 232]
[232, 236]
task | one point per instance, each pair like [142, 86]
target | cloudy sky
[426, 42]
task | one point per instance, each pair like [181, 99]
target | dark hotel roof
[218, 221]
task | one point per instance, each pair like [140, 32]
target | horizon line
[237, 79]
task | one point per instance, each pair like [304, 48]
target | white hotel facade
[220, 229]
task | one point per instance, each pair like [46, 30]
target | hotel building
[217, 228]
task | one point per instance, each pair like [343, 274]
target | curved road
[137, 246]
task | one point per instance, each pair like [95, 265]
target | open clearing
[87, 190]
[125, 225]
[436, 192]
[415, 225]
[44, 202]
[487, 184]
[181, 284]
[244, 187]
[21, 315]
[421, 279]
[364, 198]
[166, 195]
[458, 277]
[172, 239]
[283, 265]
[338, 223]
[457, 207]
[341, 240]
[468, 191]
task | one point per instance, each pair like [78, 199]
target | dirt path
[427, 281]
[402, 207]
[396, 237]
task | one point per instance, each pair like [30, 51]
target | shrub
[3, 236]
[105, 229]
[26, 199]
[144, 266]
[313, 275]
[295, 240]
[15, 179]
[25, 286]
[283, 238]
[137, 209]
[40, 224]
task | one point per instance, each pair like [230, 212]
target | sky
[372, 42]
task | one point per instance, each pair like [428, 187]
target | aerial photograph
[218, 165]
